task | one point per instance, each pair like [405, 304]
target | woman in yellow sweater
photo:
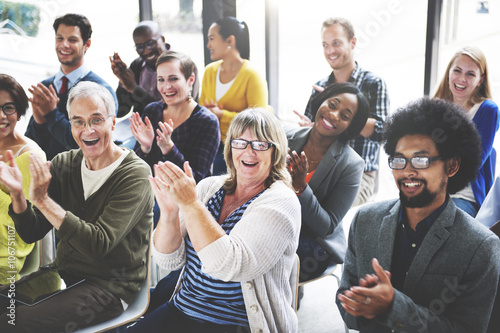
[230, 83]
[13, 105]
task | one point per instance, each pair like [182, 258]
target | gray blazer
[330, 192]
[451, 283]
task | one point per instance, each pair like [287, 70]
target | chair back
[32, 261]
[135, 309]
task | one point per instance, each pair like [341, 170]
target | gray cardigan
[451, 283]
[330, 192]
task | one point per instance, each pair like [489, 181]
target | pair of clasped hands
[173, 187]
[373, 296]
[144, 133]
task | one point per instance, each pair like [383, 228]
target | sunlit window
[27, 37]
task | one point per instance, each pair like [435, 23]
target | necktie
[64, 86]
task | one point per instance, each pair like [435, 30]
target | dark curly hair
[454, 135]
[359, 120]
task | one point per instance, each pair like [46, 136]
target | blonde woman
[235, 235]
[466, 83]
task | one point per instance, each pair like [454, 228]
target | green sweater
[105, 238]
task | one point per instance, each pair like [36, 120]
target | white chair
[134, 311]
[329, 271]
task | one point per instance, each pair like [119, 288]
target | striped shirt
[375, 91]
[203, 297]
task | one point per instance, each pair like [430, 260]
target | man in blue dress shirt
[49, 126]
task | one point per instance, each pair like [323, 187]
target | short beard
[424, 199]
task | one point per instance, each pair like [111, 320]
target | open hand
[40, 179]
[43, 101]
[124, 74]
[163, 138]
[10, 175]
[180, 185]
[304, 121]
[298, 166]
[167, 205]
[142, 131]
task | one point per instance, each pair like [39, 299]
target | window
[30, 57]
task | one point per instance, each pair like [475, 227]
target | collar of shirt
[407, 243]
[73, 77]
[423, 226]
[354, 75]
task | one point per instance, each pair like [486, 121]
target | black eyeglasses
[8, 108]
[417, 162]
[150, 44]
[256, 145]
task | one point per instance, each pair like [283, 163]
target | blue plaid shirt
[375, 91]
[196, 140]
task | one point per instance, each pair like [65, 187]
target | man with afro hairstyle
[418, 263]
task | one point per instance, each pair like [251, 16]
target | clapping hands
[144, 133]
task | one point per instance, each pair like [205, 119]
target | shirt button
[406, 273]
[248, 285]
[254, 309]
[258, 331]
[413, 245]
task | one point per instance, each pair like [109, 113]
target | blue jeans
[467, 206]
[163, 291]
[167, 318]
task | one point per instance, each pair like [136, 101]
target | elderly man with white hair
[99, 200]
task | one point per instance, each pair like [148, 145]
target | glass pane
[472, 23]
[180, 21]
[253, 13]
[391, 44]
[27, 39]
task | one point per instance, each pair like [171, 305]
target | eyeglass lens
[418, 162]
[8, 108]
[256, 145]
[150, 44]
